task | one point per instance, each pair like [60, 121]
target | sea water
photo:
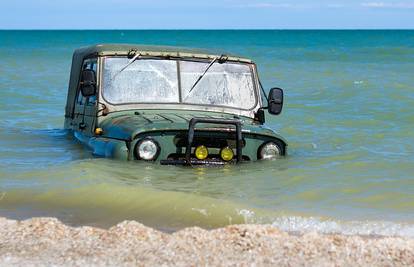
[348, 118]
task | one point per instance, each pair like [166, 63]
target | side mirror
[275, 104]
[88, 83]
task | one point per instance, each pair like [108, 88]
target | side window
[88, 64]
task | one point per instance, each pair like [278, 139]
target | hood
[127, 125]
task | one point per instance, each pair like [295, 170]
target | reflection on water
[348, 119]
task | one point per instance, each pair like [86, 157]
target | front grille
[214, 140]
[208, 139]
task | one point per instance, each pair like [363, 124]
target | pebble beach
[47, 241]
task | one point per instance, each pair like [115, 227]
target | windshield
[157, 81]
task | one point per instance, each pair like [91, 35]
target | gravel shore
[46, 241]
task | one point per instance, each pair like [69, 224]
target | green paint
[125, 125]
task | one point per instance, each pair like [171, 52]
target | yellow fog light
[227, 153]
[201, 152]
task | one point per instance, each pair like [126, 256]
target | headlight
[269, 150]
[147, 149]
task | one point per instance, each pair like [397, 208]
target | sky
[208, 14]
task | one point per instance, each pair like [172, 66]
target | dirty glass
[225, 84]
[143, 81]
[156, 81]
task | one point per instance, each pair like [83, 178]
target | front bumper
[210, 162]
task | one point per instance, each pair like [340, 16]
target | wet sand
[46, 241]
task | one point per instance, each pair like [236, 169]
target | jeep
[171, 105]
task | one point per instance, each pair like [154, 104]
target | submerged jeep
[170, 105]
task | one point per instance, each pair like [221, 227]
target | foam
[328, 226]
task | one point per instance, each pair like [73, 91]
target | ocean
[348, 118]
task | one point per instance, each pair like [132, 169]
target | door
[85, 107]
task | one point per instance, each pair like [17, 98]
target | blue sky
[209, 14]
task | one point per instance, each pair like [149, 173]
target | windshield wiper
[220, 59]
[132, 60]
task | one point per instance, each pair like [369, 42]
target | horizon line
[207, 29]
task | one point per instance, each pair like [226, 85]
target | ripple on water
[348, 120]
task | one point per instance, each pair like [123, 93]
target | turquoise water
[348, 118]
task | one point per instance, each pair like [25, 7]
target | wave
[105, 205]
[328, 226]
